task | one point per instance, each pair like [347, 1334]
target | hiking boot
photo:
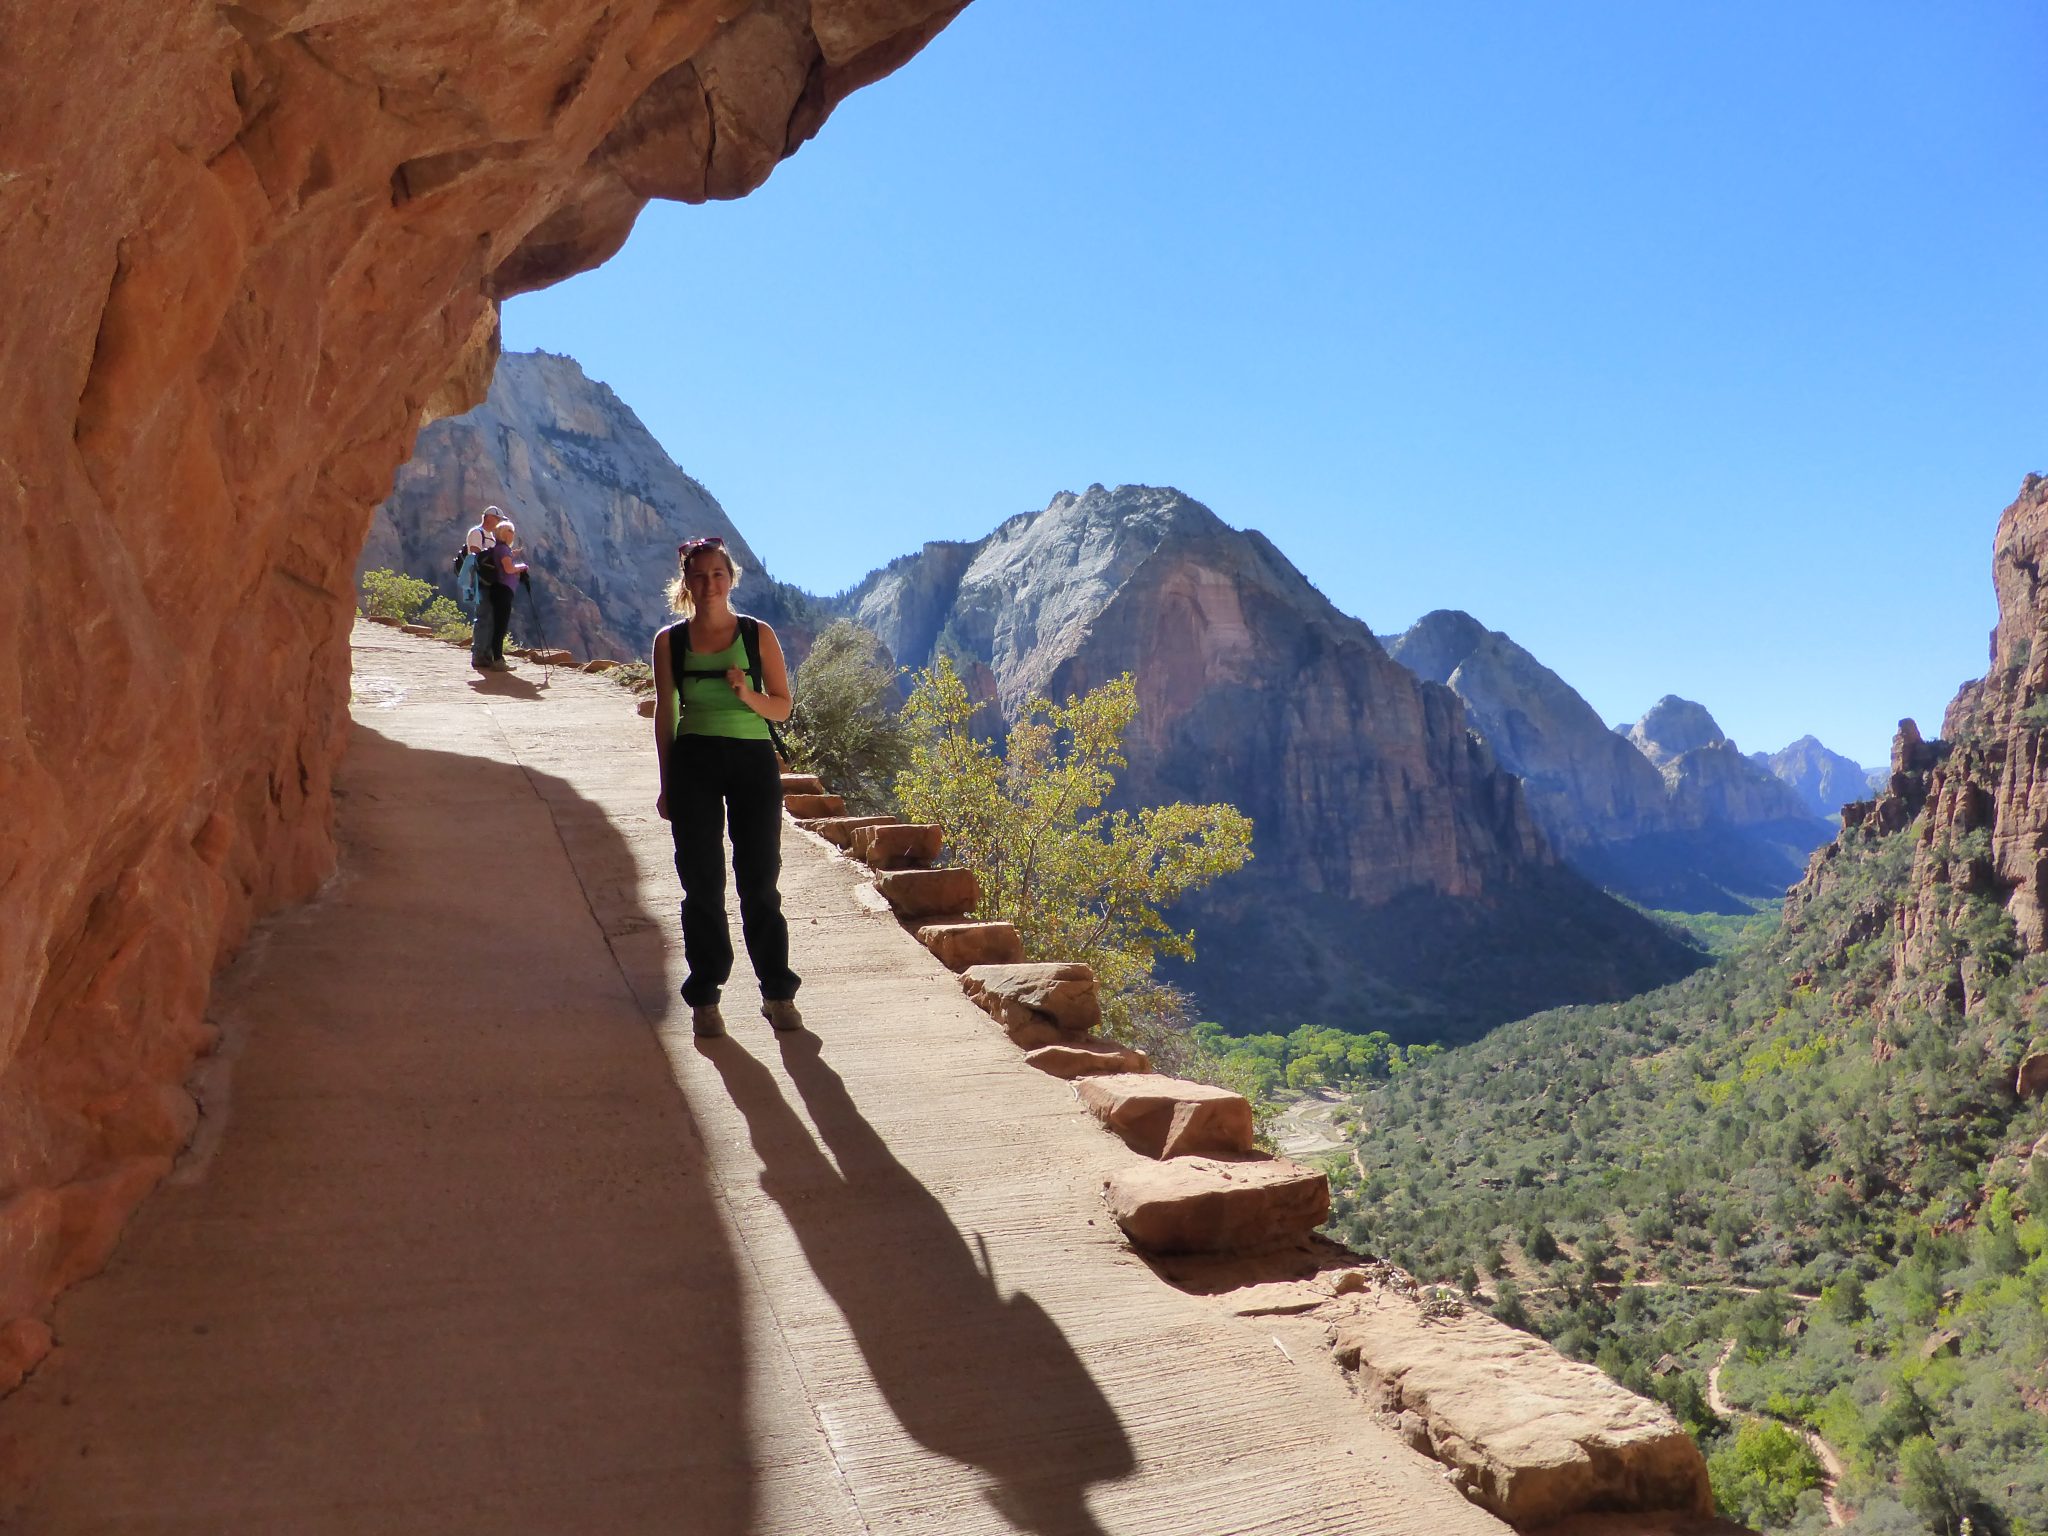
[706, 1022]
[781, 1013]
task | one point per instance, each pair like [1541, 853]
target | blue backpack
[468, 578]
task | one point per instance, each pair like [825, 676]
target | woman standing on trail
[719, 680]
[505, 565]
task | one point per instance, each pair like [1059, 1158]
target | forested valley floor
[1797, 1162]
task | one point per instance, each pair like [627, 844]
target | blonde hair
[679, 602]
[506, 533]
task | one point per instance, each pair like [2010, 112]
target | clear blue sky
[1697, 347]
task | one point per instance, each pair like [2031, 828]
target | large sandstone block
[930, 892]
[813, 807]
[1091, 1056]
[839, 830]
[648, 706]
[2031, 1081]
[802, 784]
[1060, 993]
[902, 846]
[1217, 1205]
[1528, 1434]
[960, 945]
[1168, 1116]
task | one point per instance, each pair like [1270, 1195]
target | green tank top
[705, 702]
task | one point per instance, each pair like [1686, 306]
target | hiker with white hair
[501, 565]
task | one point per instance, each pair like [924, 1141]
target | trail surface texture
[476, 1238]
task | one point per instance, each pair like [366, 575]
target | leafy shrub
[447, 621]
[1759, 1473]
[844, 726]
[393, 595]
[1079, 882]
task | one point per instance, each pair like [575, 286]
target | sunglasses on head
[711, 542]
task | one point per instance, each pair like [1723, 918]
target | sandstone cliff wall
[1395, 863]
[1667, 813]
[247, 249]
[1585, 784]
[1977, 798]
[1251, 686]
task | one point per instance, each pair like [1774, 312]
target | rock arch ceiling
[249, 249]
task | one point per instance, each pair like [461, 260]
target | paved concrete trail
[476, 1238]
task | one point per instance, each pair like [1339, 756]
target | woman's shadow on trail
[984, 1378]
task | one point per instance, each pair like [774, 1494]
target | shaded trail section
[475, 1237]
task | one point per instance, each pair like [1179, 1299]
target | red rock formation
[1978, 798]
[248, 249]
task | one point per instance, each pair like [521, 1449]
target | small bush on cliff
[1080, 883]
[394, 595]
[845, 727]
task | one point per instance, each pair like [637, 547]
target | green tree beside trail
[844, 727]
[1079, 882]
[1759, 1473]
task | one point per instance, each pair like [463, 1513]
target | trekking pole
[533, 610]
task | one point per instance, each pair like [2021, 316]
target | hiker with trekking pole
[721, 687]
[502, 566]
[474, 583]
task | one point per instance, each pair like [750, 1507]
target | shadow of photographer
[980, 1377]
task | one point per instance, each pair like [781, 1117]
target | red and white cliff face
[247, 249]
[1251, 687]
[1977, 799]
[1384, 827]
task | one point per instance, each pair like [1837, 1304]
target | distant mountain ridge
[1585, 784]
[1393, 856]
[1824, 781]
[1666, 812]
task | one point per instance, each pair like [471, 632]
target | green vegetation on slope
[1795, 1150]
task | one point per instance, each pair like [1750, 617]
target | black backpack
[750, 640]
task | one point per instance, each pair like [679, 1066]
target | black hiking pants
[716, 783]
[501, 619]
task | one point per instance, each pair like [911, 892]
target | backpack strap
[750, 637]
[750, 641]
